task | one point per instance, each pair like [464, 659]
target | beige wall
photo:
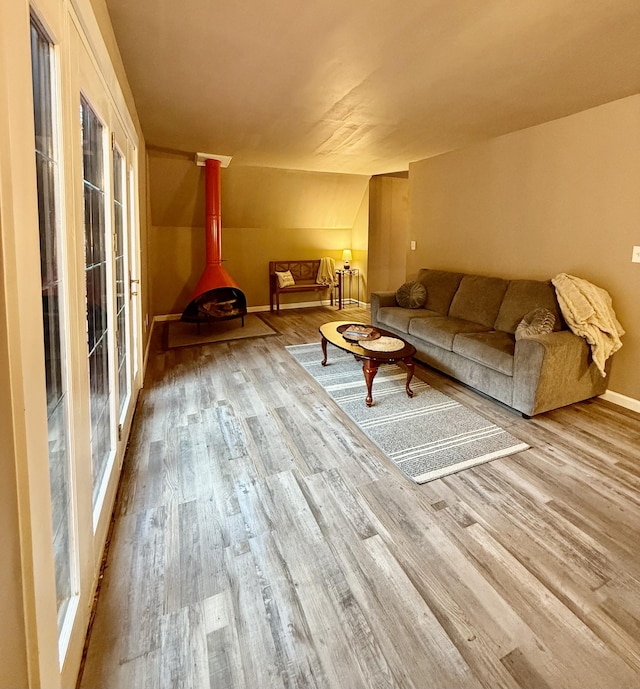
[388, 232]
[267, 214]
[360, 247]
[559, 197]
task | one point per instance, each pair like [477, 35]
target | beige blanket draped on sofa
[588, 311]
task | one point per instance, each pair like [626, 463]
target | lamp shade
[346, 255]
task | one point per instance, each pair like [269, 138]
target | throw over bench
[304, 273]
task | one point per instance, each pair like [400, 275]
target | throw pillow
[411, 295]
[285, 279]
[536, 322]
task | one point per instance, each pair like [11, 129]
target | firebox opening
[220, 304]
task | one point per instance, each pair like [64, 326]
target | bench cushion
[285, 279]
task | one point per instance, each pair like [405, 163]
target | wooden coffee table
[370, 359]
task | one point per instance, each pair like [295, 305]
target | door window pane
[52, 308]
[96, 290]
[121, 272]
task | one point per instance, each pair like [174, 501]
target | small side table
[350, 273]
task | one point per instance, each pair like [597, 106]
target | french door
[70, 358]
[109, 264]
[54, 303]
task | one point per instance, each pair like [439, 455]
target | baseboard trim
[621, 400]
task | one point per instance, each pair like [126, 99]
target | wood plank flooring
[261, 541]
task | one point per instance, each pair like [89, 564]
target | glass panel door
[134, 281]
[97, 301]
[122, 286]
[53, 303]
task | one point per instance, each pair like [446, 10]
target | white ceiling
[367, 86]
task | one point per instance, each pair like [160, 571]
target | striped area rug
[427, 436]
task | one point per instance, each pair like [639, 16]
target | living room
[554, 198]
[247, 531]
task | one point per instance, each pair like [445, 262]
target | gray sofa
[466, 329]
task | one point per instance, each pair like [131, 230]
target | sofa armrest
[553, 370]
[379, 300]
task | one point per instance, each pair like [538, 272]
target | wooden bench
[304, 273]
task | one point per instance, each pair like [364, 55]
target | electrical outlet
[413, 245]
[635, 256]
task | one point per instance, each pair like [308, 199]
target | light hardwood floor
[260, 540]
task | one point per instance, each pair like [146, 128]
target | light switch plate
[635, 256]
[413, 246]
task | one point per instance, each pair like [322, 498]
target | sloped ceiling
[367, 86]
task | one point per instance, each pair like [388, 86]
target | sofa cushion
[521, 297]
[441, 285]
[411, 295]
[398, 318]
[441, 330]
[478, 299]
[494, 349]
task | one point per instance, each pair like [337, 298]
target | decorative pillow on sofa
[411, 295]
[285, 279]
[536, 322]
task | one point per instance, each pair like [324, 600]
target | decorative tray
[353, 332]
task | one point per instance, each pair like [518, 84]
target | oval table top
[330, 333]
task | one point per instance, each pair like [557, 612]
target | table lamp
[346, 259]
